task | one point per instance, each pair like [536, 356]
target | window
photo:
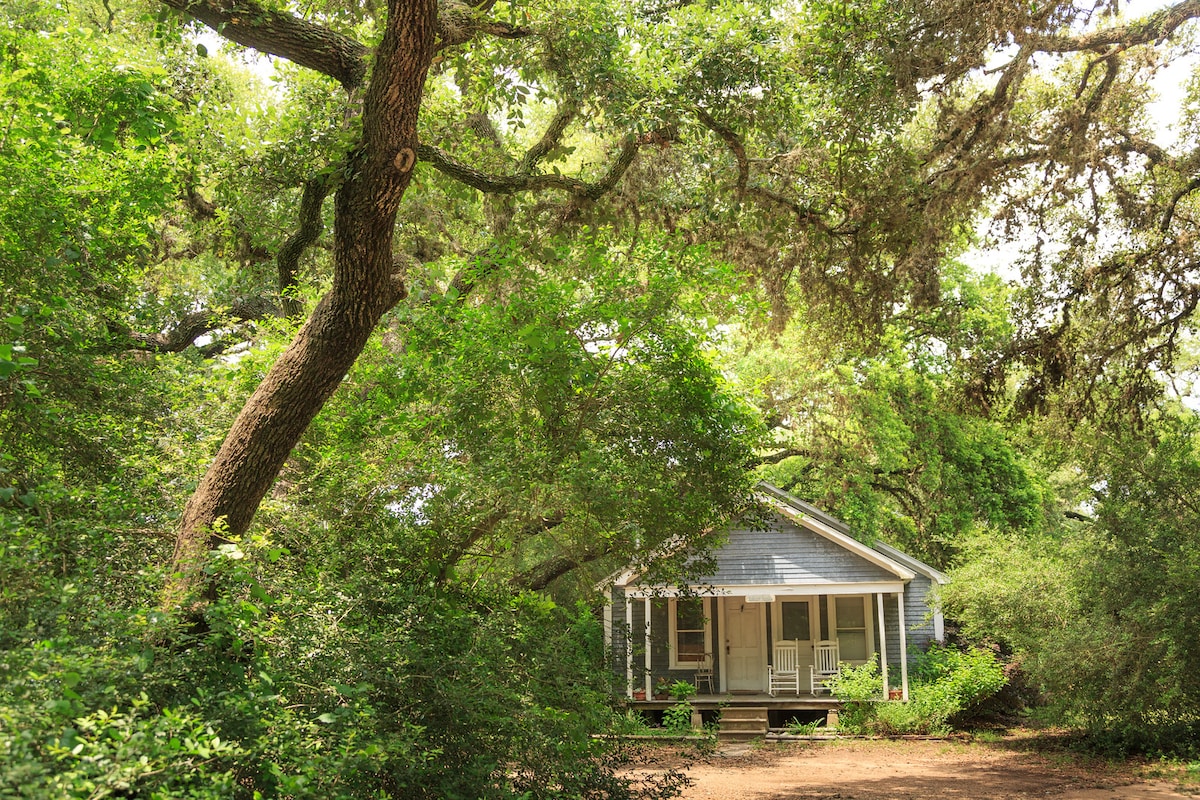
[795, 622]
[851, 618]
[690, 631]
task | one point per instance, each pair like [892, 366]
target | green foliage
[579, 414]
[947, 685]
[372, 635]
[682, 690]
[798, 728]
[408, 692]
[677, 718]
[892, 442]
[858, 689]
[1099, 615]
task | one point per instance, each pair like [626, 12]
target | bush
[410, 692]
[859, 689]
[947, 686]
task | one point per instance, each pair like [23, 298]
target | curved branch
[512, 184]
[777, 456]
[287, 261]
[735, 146]
[550, 139]
[281, 34]
[1169, 214]
[186, 331]
[1154, 28]
[543, 574]
[458, 24]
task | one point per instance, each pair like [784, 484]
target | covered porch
[716, 702]
[727, 641]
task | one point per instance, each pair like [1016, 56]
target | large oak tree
[835, 153]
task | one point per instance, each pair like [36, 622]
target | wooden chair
[784, 672]
[825, 664]
[704, 673]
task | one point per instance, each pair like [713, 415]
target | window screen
[795, 622]
[689, 629]
[851, 617]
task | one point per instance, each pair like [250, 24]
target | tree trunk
[365, 286]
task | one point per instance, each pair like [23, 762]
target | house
[784, 582]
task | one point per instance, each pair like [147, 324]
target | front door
[745, 645]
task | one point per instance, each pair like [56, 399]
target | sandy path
[909, 770]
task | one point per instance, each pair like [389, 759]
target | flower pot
[895, 694]
[639, 694]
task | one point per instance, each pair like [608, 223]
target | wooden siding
[786, 553]
[660, 655]
[917, 615]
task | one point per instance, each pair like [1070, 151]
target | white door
[745, 645]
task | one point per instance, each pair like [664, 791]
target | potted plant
[662, 689]
[639, 694]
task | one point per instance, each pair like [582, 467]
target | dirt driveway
[910, 770]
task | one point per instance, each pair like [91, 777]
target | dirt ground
[908, 770]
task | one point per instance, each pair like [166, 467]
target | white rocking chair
[784, 672]
[824, 666]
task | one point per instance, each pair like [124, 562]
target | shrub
[947, 686]
[858, 688]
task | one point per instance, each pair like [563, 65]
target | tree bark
[281, 34]
[366, 285]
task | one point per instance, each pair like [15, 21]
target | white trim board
[778, 590]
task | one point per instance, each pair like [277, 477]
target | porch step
[743, 722]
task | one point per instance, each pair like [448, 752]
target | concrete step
[743, 723]
[744, 726]
[739, 712]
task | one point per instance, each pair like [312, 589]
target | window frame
[675, 630]
[814, 621]
[835, 626]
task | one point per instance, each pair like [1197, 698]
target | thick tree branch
[282, 34]
[459, 23]
[512, 184]
[550, 139]
[444, 163]
[1169, 214]
[186, 331]
[777, 456]
[1154, 28]
[479, 530]
[541, 575]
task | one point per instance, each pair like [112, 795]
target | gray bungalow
[791, 598]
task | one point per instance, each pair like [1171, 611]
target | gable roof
[831, 528]
[809, 547]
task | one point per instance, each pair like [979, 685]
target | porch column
[883, 661]
[628, 646]
[608, 626]
[903, 647]
[649, 692]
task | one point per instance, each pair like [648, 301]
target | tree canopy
[329, 389]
